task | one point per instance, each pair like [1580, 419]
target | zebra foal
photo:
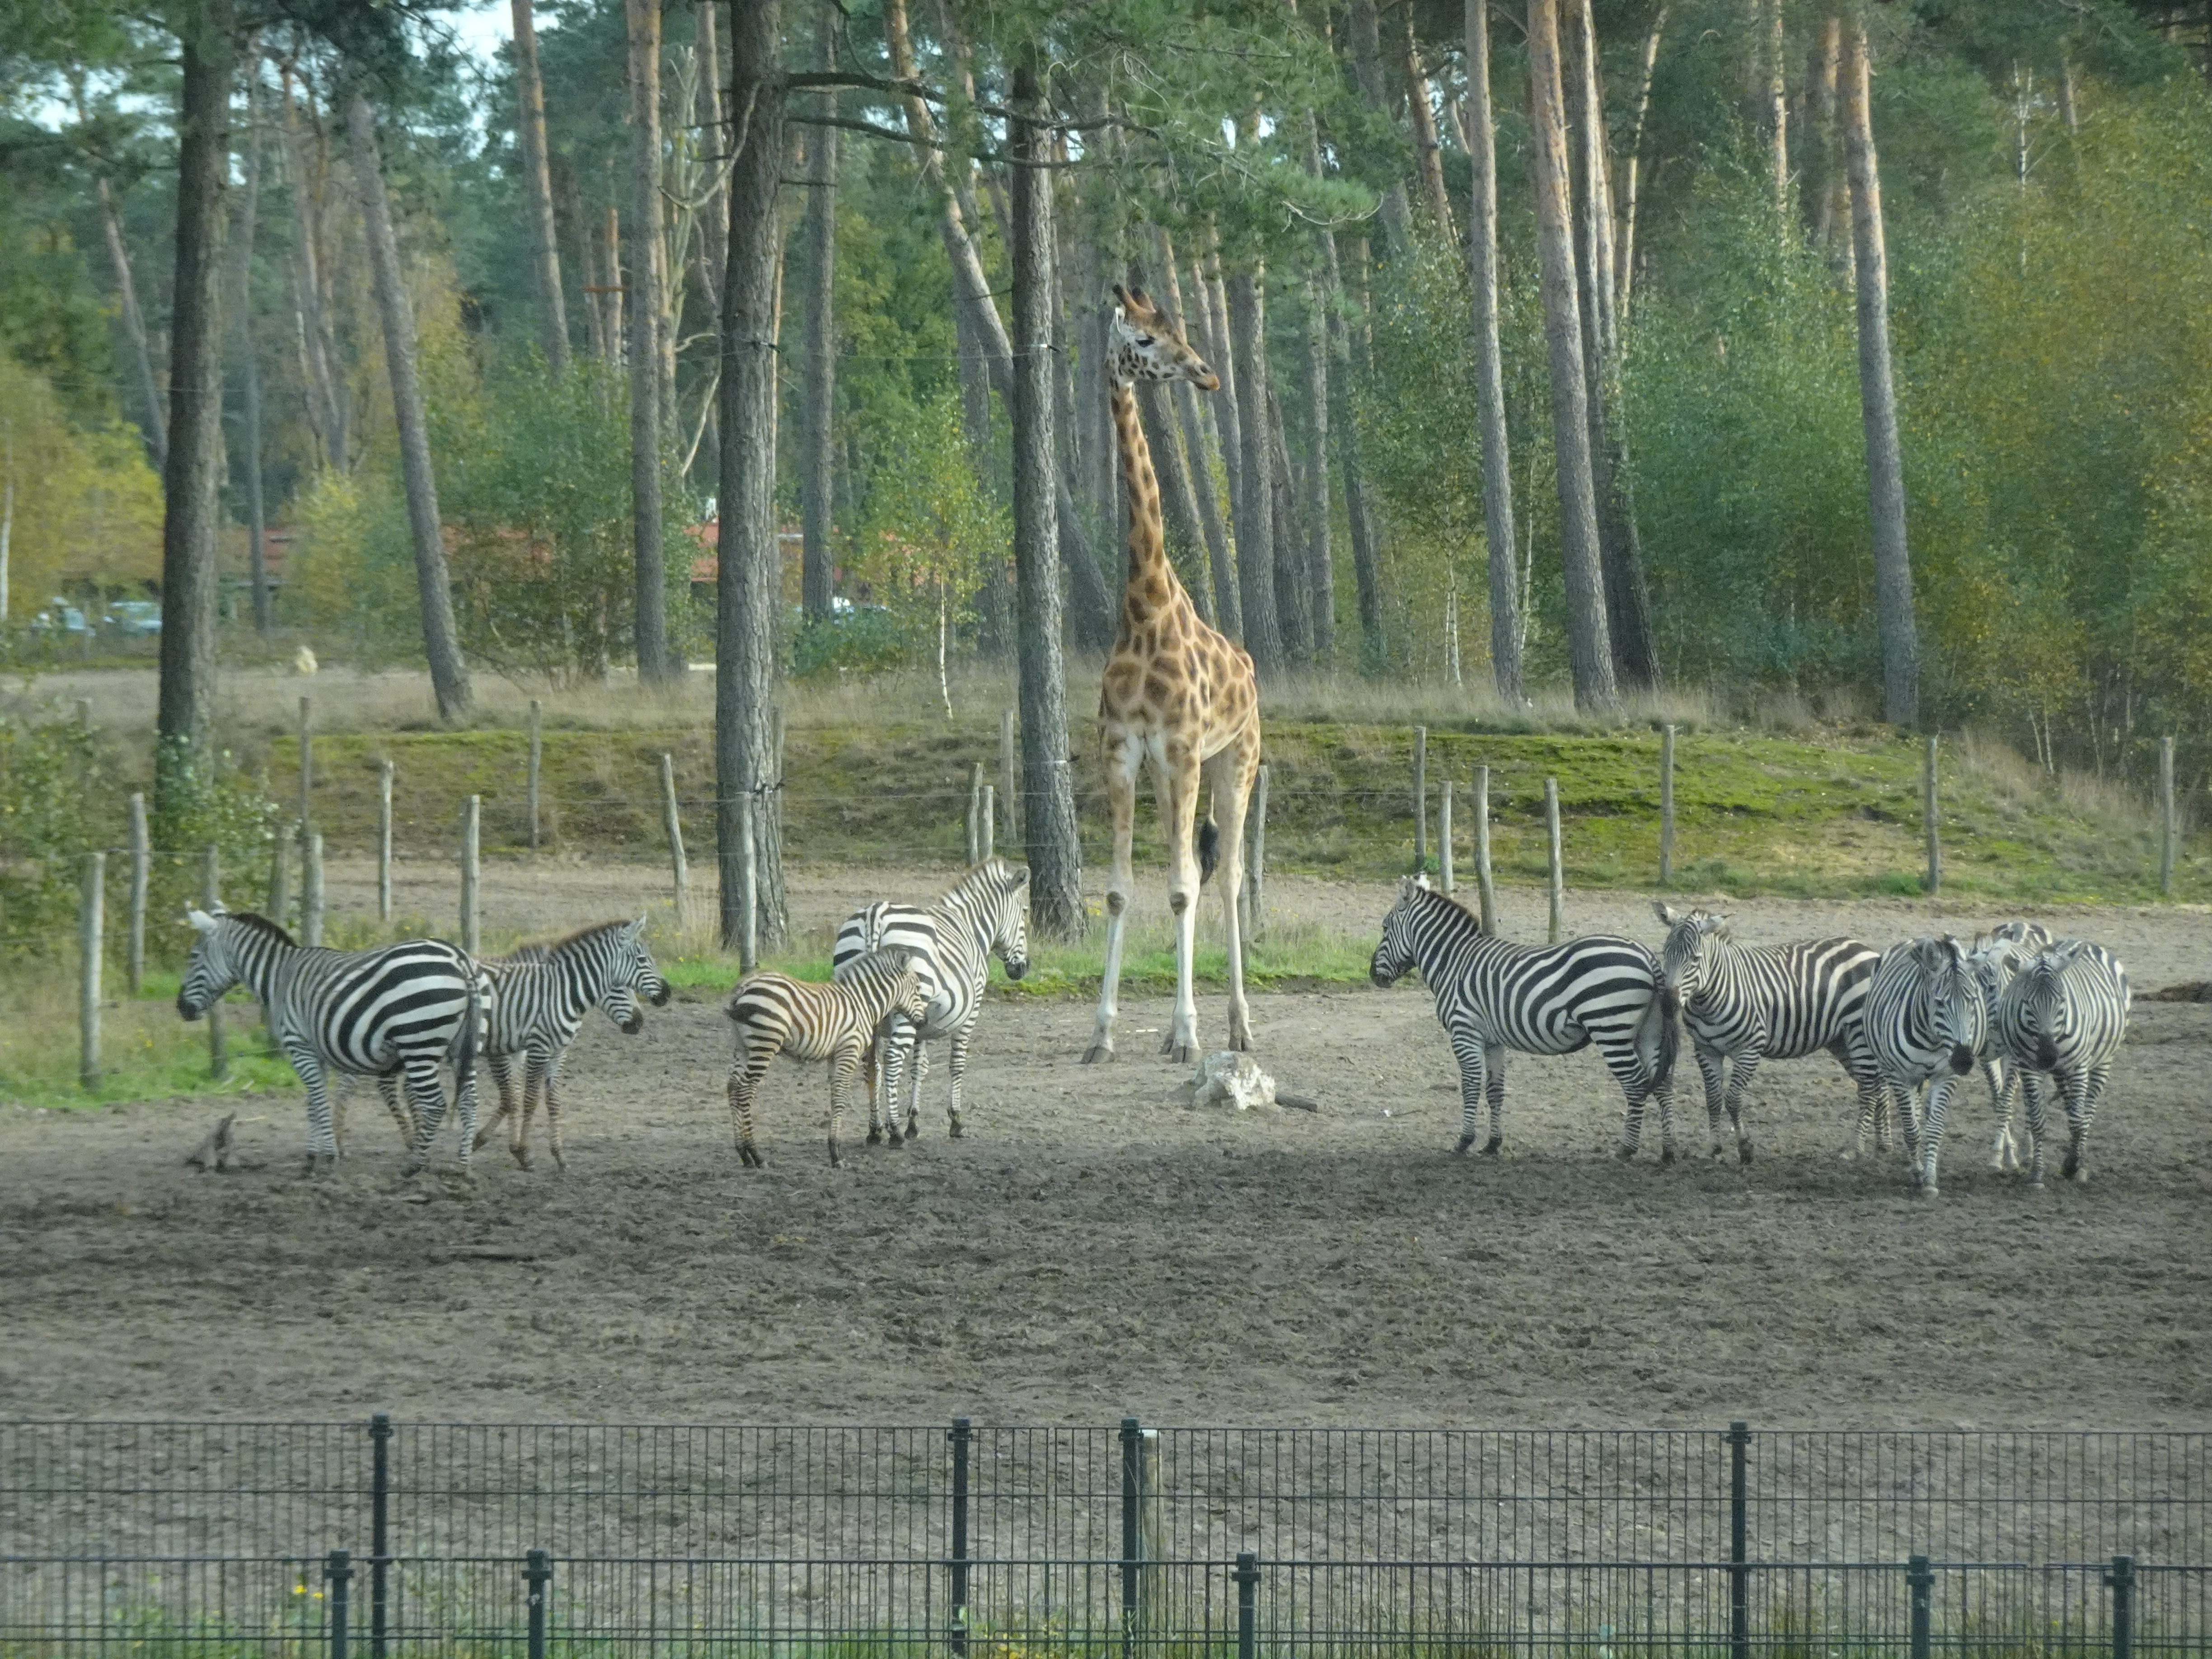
[1925, 1021]
[362, 1013]
[1746, 1004]
[771, 1013]
[2009, 947]
[2065, 1016]
[1492, 997]
[951, 942]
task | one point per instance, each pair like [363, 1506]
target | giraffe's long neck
[1151, 582]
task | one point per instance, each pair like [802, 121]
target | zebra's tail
[1658, 1039]
[1209, 850]
[465, 1057]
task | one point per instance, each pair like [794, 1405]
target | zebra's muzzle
[1015, 969]
[633, 1025]
[660, 999]
[1962, 1058]
[185, 1010]
[2046, 1055]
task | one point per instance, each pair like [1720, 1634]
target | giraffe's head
[1146, 345]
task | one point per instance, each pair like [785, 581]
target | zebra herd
[1921, 1014]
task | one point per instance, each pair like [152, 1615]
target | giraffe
[1176, 694]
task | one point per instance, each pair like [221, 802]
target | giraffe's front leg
[1121, 763]
[1177, 778]
[1231, 774]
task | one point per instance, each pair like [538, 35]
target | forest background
[499, 429]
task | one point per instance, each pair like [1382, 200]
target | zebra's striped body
[2065, 1016]
[1746, 1004]
[950, 943]
[1925, 1021]
[2010, 947]
[772, 1014]
[1492, 997]
[367, 1013]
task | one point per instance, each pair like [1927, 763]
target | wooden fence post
[674, 822]
[537, 760]
[749, 890]
[974, 814]
[1485, 885]
[1667, 807]
[91, 930]
[142, 870]
[307, 759]
[1009, 791]
[384, 843]
[471, 822]
[1444, 836]
[2168, 823]
[990, 819]
[1558, 880]
[1934, 882]
[210, 896]
[1421, 798]
[311, 886]
[280, 879]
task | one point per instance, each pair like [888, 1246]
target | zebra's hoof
[1489, 1147]
[876, 1138]
[522, 1155]
[484, 1139]
[1098, 1054]
[956, 1132]
[749, 1158]
[895, 1143]
[1626, 1154]
[1665, 1156]
[1928, 1190]
[913, 1131]
[1744, 1152]
[1465, 1141]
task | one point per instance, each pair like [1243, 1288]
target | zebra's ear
[1665, 911]
[637, 929]
[1409, 885]
[200, 919]
[1021, 875]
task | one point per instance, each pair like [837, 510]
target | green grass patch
[147, 1053]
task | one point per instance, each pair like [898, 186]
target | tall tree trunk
[192, 509]
[1055, 852]
[537, 189]
[1892, 565]
[654, 666]
[1088, 439]
[449, 675]
[1255, 502]
[1829, 185]
[747, 590]
[1352, 351]
[816, 447]
[1320, 566]
[134, 327]
[1590, 646]
[611, 294]
[1624, 271]
[1222, 407]
[1490, 378]
[1293, 581]
[248, 343]
[1365, 37]
[1428, 152]
[714, 212]
[329, 411]
[1223, 612]
[1777, 111]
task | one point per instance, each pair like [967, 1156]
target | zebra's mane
[996, 866]
[546, 952]
[1474, 917]
[259, 923]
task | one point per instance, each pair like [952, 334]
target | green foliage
[866, 640]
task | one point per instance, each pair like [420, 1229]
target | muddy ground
[1095, 1247]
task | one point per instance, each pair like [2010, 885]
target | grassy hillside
[1832, 811]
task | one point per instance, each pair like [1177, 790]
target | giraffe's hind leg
[1175, 775]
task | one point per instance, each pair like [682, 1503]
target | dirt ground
[1095, 1247]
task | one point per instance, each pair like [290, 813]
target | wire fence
[391, 1538]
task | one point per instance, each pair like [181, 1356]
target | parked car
[135, 619]
[60, 616]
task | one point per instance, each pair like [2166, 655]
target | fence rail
[674, 1538]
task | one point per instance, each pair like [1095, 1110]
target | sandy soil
[1094, 1246]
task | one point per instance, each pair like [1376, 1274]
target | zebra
[1925, 1021]
[774, 1014]
[1997, 956]
[367, 1013]
[951, 942]
[1746, 1004]
[2065, 1014]
[1542, 1000]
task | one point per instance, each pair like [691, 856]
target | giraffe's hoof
[1098, 1054]
[1182, 1053]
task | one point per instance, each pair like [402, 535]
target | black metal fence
[390, 1539]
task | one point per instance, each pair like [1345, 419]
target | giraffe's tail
[1209, 850]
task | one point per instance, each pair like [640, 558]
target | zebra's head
[209, 972]
[2041, 1009]
[1010, 937]
[631, 974]
[1399, 951]
[1951, 993]
[1682, 957]
[1997, 960]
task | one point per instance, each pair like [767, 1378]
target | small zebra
[950, 943]
[2008, 948]
[1925, 1020]
[2065, 1015]
[1542, 1000]
[1746, 1004]
[367, 1013]
[774, 1014]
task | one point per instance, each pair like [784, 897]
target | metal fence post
[538, 1574]
[1248, 1604]
[961, 1431]
[380, 1528]
[1739, 1443]
[2122, 1581]
[1132, 1441]
[338, 1570]
[1920, 1579]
